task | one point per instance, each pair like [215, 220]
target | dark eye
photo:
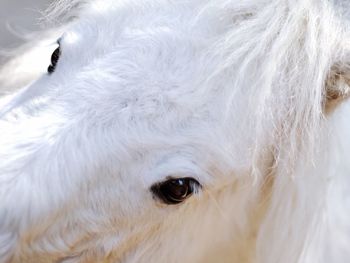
[54, 60]
[175, 191]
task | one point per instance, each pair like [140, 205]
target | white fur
[232, 93]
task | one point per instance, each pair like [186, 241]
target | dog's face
[139, 142]
[123, 145]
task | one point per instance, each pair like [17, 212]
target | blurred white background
[21, 16]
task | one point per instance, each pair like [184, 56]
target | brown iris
[175, 191]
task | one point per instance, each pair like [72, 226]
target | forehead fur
[188, 53]
[275, 62]
[193, 59]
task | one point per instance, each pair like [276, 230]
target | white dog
[180, 132]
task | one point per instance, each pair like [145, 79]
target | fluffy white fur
[245, 96]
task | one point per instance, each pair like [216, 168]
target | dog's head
[153, 133]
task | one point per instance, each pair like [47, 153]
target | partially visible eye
[54, 60]
[175, 191]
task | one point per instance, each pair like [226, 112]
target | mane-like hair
[285, 67]
[63, 11]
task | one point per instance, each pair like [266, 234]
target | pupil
[54, 59]
[178, 189]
